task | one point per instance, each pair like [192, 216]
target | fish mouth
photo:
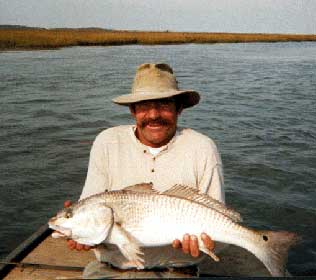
[60, 231]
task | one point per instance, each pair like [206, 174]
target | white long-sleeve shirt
[118, 160]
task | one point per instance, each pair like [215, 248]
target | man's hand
[190, 244]
[71, 243]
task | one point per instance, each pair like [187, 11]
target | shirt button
[145, 151]
[153, 170]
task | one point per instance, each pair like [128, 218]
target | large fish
[139, 216]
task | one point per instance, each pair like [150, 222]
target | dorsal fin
[142, 187]
[193, 194]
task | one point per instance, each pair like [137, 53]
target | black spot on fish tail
[274, 250]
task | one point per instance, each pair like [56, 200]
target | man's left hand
[190, 244]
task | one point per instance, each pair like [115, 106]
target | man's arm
[211, 183]
[212, 179]
[96, 182]
[97, 178]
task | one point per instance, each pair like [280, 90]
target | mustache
[159, 121]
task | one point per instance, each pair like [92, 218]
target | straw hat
[156, 81]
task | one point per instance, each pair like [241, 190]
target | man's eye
[164, 103]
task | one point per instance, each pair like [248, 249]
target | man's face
[156, 121]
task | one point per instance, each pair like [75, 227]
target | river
[258, 104]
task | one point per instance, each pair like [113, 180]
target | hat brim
[188, 98]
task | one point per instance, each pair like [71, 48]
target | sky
[250, 16]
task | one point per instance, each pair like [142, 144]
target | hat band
[153, 90]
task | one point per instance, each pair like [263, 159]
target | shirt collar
[145, 147]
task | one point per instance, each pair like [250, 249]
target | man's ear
[132, 109]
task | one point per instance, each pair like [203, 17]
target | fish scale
[170, 211]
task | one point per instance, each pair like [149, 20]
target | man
[153, 151]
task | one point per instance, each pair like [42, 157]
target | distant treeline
[34, 38]
[9, 26]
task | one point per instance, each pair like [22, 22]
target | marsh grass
[57, 38]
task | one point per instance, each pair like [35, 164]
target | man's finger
[79, 247]
[186, 244]
[67, 203]
[176, 244]
[194, 246]
[71, 244]
[208, 242]
[86, 247]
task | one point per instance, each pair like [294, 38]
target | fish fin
[210, 253]
[207, 251]
[132, 264]
[273, 252]
[142, 187]
[194, 195]
[56, 234]
[128, 246]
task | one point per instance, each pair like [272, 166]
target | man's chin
[158, 140]
[155, 136]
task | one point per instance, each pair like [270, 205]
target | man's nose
[153, 112]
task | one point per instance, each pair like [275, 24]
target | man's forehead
[160, 100]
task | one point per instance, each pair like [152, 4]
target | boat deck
[53, 257]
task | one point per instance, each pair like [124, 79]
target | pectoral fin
[129, 247]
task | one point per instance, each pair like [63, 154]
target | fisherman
[155, 151]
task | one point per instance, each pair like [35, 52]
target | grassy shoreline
[24, 39]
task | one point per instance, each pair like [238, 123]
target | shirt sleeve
[212, 181]
[97, 177]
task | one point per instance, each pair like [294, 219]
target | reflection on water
[258, 104]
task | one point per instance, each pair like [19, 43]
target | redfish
[138, 216]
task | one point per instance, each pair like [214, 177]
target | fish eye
[68, 215]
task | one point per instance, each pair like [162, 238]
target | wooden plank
[50, 251]
[24, 248]
[55, 252]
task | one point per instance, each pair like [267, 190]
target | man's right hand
[189, 244]
[73, 245]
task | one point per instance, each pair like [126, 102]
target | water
[258, 104]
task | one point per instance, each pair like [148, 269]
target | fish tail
[274, 250]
